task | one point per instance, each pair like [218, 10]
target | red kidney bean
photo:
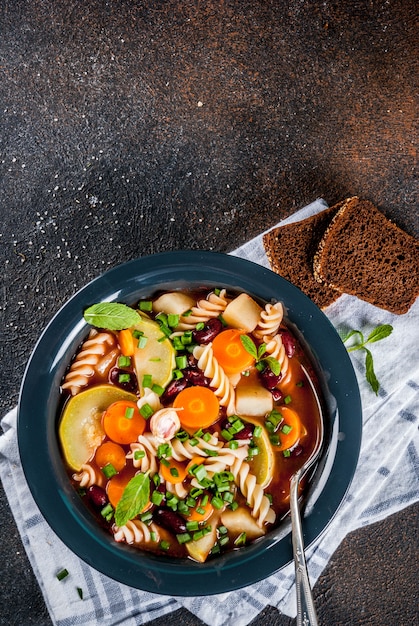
[170, 520]
[129, 385]
[209, 332]
[289, 342]
[269, 379]
[97, 496]
[194, 376]
[277, 395]
[172, 389]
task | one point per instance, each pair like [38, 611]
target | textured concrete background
[129, 128]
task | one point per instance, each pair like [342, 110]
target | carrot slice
[200, 407]
[173, 471]
[200, 513]
[291, 425]
[126, 342]
[230, 352]
[123, 422]
[110, 453]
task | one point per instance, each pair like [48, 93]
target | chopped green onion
[174, 472]
[146, 410]
[129, 412]
[124, 361]
[62, 574]
[217, 502]
[286, 453]
[204, 499]
[172, 320]
[187, 313]
[287, 399]
[200, 510]
[146, 517]
[193, 442]
[157, 497]
[137, 334]
[109, 470]
[186, 338]
[177, 374]
[157, 389]
[177, 344]
[183, 508]
[194, 525]
[222, 530]
[241, 540]
[226, 435]
[164, 450]
[164, 545]
[147, 381]
[234, 505]
[183, 537]
[107, 512]
[124, 378]
[200, 472]
[286, 429]
[199, 433]
[206, 437]
[182, 435]
[153, 536]
[139, 454]
[198, 535]
[253, 451]
[200, 326]
[195, 492]
[274, 439]
[233, 445]
[161, 318]
[142, 342]
[257, 431]
[80, 592]
[146, 305]
[223, 541]
[182, 361]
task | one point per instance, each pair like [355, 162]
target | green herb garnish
[380, 332]
[257, 353]
[111, 315]
[134, 498]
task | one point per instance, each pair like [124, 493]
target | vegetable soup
[184, 418]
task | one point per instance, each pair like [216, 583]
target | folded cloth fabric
[385, 482]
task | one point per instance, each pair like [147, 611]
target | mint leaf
[261, 350]
[381, 332]
[273, 364]
[351, 333]
[134, 498]
[249, 346]
[111, 315]
[370, 374]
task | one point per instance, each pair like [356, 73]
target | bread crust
[364, 254]
[290, 249]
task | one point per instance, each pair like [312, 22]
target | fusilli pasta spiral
[135, 531]
[253, 492]
[276, 349]
[146, 461]
[96, 347]
[270, 320]
[220, 382]
[89, 476]
[207, 308]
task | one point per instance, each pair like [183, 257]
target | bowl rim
[37, 423]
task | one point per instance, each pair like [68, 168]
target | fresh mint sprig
[111, 315]
[134, 498]
[380, 332]
[257, 353]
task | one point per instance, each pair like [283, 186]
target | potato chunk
[173, 303]
[241, 521]
[242, 312]
[253, 400]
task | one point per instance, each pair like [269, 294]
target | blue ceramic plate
[38, 413]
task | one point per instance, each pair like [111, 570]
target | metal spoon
[306, 611]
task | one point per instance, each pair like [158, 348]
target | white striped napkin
[386, 480]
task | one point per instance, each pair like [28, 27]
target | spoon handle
[306, 612]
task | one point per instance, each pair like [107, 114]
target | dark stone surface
[129, 128]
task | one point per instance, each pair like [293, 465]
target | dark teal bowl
[39, 406]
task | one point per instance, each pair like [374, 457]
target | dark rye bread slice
[364, 254]
[290, 250]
